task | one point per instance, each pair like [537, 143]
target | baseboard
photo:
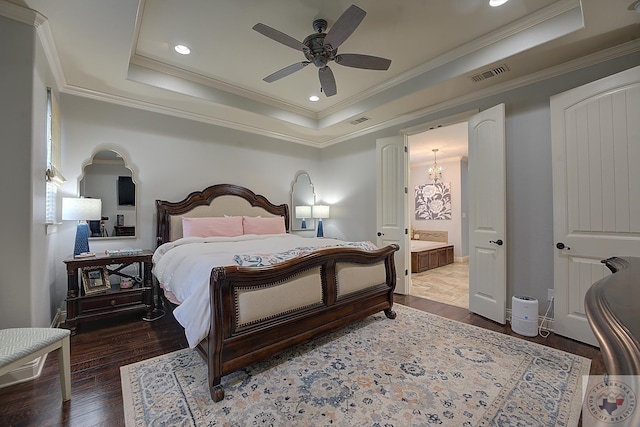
[461, 259]
[29, 370]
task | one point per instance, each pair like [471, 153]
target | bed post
[390, 268]
[216, 332]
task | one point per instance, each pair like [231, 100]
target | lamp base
[320, 230]
[82, 239]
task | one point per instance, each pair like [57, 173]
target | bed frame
[235, 342]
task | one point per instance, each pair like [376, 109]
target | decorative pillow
[257, 225]
[230, 226]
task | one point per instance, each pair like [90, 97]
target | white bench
[22, 345]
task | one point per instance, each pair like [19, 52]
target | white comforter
[183, 267]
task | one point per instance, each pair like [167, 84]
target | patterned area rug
[417, 370]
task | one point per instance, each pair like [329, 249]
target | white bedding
[422, 245]
[183, 267]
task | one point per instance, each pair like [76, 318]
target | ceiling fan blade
[327, 81]
[279, 36]
[286, 71]
[367, 62]
[344, 26]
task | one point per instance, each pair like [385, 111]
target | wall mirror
[108, 178]
[302, 198]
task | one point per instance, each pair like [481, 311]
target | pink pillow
[257, 225]
[212, 226]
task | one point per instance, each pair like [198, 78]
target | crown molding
[547, 26]
[575, 65]
[528, 22]
[31, 17]
[161, 109]
[563, 16]
[19, 13]
[43, 30]
[181, 73]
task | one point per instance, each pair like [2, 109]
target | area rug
[416, 370]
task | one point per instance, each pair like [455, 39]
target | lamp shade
[303, 211]
[80, 209]
[320, 211]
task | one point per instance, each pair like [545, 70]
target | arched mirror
[302, 198]
[108, 178]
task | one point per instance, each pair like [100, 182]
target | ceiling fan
[321, 48]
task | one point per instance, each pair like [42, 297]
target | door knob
[380, 234]
[561, 245]
[497, 242]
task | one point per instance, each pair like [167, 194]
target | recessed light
[182, 49]
[496, 3]
[314, 98]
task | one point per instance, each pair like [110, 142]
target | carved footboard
[258, 312]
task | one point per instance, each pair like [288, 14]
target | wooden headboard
[217, 200]
[432, 235]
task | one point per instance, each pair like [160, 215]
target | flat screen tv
[126, 191]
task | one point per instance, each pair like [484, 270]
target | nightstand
[94, 297]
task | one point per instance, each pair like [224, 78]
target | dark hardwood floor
[101, 348]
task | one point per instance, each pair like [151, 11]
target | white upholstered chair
[21, 345]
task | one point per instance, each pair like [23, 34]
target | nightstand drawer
[111, 301]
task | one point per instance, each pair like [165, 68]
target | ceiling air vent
[359, 120]
[501, 69]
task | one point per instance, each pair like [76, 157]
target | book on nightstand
[118, 252]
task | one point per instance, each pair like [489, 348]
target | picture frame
[95, 280]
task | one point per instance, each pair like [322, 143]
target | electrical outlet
[549, 294]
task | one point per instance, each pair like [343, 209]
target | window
[53, 176]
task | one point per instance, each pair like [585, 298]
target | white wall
[348, 183]
[44, 294]
[26, 274]
[349, 168]
[170, 158]
[173, 156]
[15, 175]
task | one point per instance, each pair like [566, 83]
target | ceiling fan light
[320, 61]
[182, 49]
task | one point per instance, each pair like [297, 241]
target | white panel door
[595, 132]
[487, 215]
[391, 156]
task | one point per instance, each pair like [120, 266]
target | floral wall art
[433, 201]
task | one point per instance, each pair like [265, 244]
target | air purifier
[524, 316]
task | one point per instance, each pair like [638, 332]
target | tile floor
[448, 284]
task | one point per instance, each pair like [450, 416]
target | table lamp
[81, 210]
[320, 211]
[303, 212]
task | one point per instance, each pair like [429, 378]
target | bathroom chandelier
[435, 171]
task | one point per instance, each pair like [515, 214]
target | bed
[430, 249]
[270, 299]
